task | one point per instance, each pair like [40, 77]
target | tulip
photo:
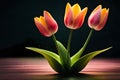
[74, 16]
[46, 24]
[98, 18]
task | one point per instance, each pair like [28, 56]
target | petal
[80, 19]
[42, 21]
[68, 18]
[94, 18]
[51, 23]
[103, 19]
[41, 25]
[97, 8]
[68, 7]
[76, 10]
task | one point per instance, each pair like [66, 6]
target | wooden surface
[39, 69]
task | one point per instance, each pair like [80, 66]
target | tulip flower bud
[74, 16]
[98, 18]
[46, 25]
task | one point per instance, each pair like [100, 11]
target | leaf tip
[28, 48]
[109, 48]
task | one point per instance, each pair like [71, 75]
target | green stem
[86, 42]
[55, 41]
[69, 41]
[79, 53]
[88, 39]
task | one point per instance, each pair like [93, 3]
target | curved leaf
[82, 62]
[65, 59]
[79, 53]
[52, 58]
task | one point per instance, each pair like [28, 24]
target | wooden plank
[39, 69]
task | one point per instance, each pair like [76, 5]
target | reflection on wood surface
[39, 69]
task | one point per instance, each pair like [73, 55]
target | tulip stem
[69, 41]
[55, 41]
[79, 53]
[86, 42]
[88, 38]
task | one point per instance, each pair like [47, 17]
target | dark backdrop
[17, 28]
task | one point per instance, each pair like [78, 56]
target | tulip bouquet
[74, 17]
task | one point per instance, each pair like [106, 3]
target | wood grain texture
[39, 69]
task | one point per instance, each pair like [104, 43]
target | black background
[17, 28]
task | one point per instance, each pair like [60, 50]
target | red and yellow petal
[40, 23]
[68, 7]
[94, 18]
[68, 18]
[97, 8]
[103, 19]
[76, 10]
[51, 23]
[80, 19]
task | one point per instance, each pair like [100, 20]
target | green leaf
[65, 59]
[52, 58]
[77, 55]
[79, 64]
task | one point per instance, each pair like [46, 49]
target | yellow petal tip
[44, 11]
[100, 6]
[86, 8]
[68, 4]
[108, 9]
